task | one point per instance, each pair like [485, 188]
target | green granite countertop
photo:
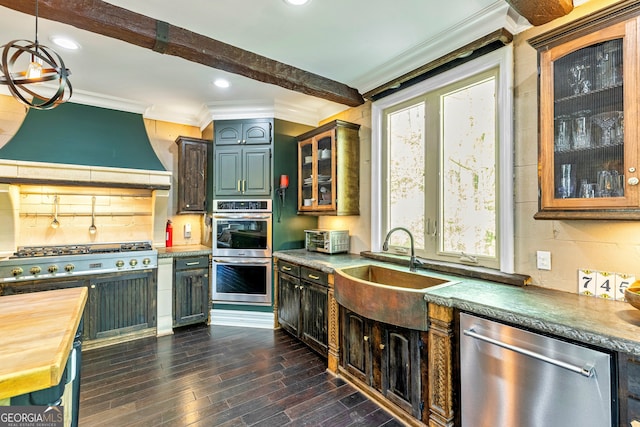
[184, 251]
[614, 325]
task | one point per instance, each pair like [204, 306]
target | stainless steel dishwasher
[512, 377]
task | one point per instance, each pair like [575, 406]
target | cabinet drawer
[314, 276]
[192, 262]
[291, 269]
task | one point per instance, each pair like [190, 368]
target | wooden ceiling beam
[112, 21]
[539, 12]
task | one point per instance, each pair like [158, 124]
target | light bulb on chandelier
[40, 64]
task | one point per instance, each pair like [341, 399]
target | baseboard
[247, 319]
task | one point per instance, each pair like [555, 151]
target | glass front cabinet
[328, 170]
[588, 140]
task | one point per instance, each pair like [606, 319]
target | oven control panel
[242, 205]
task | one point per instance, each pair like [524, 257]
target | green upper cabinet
[242, 158]
[241, 132]
[243, 171]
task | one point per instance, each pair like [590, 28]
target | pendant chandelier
[35, 64]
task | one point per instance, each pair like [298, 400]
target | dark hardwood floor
[218, 376]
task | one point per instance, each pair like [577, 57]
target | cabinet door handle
[285, 268]
[238, 186]
[633, 181]
[381, 346]
[311, 276]
[366, 338]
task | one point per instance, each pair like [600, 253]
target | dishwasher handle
[586, 371]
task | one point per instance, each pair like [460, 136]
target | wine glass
[606, 122]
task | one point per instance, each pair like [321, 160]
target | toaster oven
[327, 241]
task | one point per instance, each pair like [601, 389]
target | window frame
[502, 59]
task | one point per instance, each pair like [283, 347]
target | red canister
[169, 234]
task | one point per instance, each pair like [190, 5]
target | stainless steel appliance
[120, 277]
[241, 268]
[327, 241]
[513, 377]
[68, 261]
[242, 228]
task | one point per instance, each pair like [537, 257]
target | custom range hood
[89, 145]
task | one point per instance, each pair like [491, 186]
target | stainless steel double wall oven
[242, 248]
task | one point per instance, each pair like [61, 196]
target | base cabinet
[388, 359]
[191, 299]
[121, 304]
[302, 304]
[629, 389]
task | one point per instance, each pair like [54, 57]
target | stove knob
[69, 268]
[35, 270]
[53, 269]
[17, 271]
[133, 262]
[119, 263]
[146, 261]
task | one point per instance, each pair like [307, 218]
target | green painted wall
[288, 226]
[83, 135]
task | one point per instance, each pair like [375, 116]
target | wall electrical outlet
[543, 260]
[187, 231]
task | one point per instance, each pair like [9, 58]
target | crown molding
[494, 17]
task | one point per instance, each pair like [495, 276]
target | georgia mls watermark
[31, 416]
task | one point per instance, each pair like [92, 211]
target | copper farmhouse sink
[385, 294]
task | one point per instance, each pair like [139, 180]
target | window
[442, 165]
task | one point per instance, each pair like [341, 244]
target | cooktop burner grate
[98, 248]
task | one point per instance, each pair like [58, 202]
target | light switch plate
[543, 260]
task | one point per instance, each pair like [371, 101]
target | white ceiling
[361, 43]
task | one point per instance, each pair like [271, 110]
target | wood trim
[541, 11]
[588, 24]
[500, 35]
[102, 18]
[440, 360]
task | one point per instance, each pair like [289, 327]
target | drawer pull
[193, 263]
[312, 276]
[285, 268]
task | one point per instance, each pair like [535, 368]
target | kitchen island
[606, 324]
[38, 331]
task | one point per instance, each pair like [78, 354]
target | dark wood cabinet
[629, 389]
[49, 285]
[191, 299]
[289, 297]
[388, 360]
[401, 368]
[302, 304]
[243, 132]
[356, 345]
[192, 174]
[121, 303]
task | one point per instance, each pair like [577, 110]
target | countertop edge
[604, 338]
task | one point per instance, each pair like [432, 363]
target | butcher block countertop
[37, 331]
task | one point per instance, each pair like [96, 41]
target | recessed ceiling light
[221, 83]
[297, 2]
[65, 42]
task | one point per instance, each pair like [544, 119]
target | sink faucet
[385, 246]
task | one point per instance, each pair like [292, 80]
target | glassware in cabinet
[587, 156]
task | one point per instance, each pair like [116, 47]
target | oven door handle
[226, 261]
[241, 216]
